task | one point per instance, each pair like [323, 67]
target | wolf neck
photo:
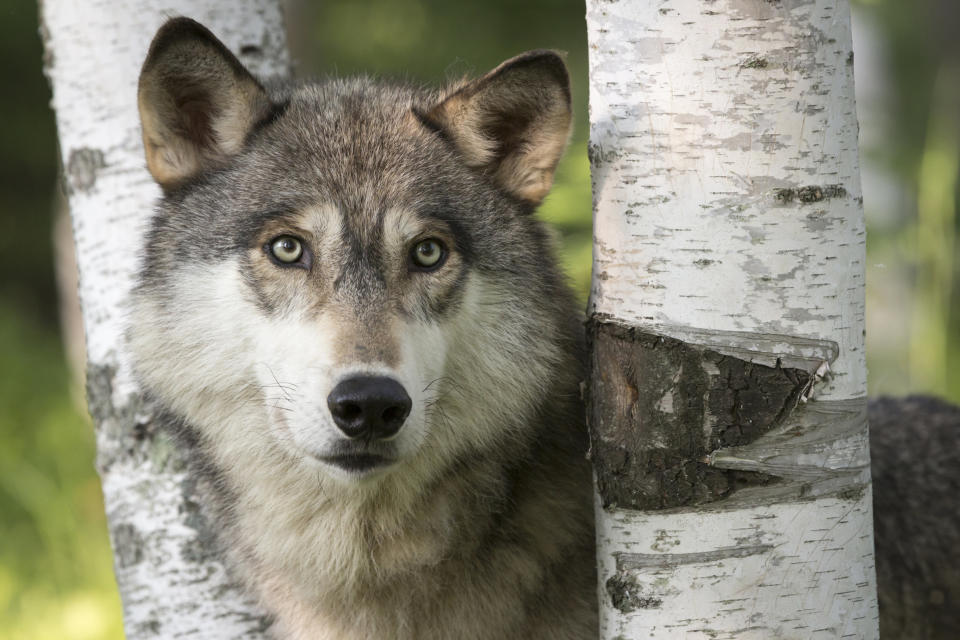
[324, 540]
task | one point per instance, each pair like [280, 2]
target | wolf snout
[369, 406]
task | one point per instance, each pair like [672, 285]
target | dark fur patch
[913, 444]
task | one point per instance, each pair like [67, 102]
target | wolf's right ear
[197, 102]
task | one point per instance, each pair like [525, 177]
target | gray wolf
[363, 335]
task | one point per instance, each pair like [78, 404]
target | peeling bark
[658, 406]
[171, 580]
[727, 393]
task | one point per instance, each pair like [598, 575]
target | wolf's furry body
[481, 526]
[914, 443]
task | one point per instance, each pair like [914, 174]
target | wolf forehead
[347, 149]
[356, 143]
[209, 125]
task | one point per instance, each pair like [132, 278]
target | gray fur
[483, 528]
[914, 443]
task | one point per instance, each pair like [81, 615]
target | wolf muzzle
[369, 407]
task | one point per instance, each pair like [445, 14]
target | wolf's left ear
[513, 122]
[197, 102]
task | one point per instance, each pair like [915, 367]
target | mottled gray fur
[482, 527]
[914, 443]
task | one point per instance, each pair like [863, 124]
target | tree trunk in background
[727, 397]
[171, 581]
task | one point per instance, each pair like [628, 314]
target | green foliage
[28, 152]
[56, 577]
[568, 209]
[913, 266]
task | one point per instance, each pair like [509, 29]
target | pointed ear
[513, 122]
[197, 102]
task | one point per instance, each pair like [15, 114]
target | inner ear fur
[197, 102]
[513, 123]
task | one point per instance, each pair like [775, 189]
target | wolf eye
[286, 249]
[428, 254]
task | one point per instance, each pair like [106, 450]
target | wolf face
[321, 250]
[349, 308]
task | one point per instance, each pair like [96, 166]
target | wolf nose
[369, 406]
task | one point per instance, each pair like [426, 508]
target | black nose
[369, 406]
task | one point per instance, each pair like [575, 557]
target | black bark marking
[132, 432]
[625, 594]
[148, 628]
[754, 62]
[82, 168]
[809, 193]
[658, 406]
[127, 545]
[599, 156]
[203, 547]
[100, 392]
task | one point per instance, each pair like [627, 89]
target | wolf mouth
[356, 462]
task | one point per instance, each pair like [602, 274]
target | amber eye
[286, 249]
[428, 254]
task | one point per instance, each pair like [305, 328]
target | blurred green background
[55, 565]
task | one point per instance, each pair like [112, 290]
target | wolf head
[345, 276]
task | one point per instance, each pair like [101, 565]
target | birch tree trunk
[171, 581]
[727, 399]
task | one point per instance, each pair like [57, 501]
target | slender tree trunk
[171, 581]
[727, 396]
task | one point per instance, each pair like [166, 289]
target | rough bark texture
[170, 579]
[646, 390]
[728, 378]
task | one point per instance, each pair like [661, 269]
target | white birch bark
[728, 215]
[171, 581]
